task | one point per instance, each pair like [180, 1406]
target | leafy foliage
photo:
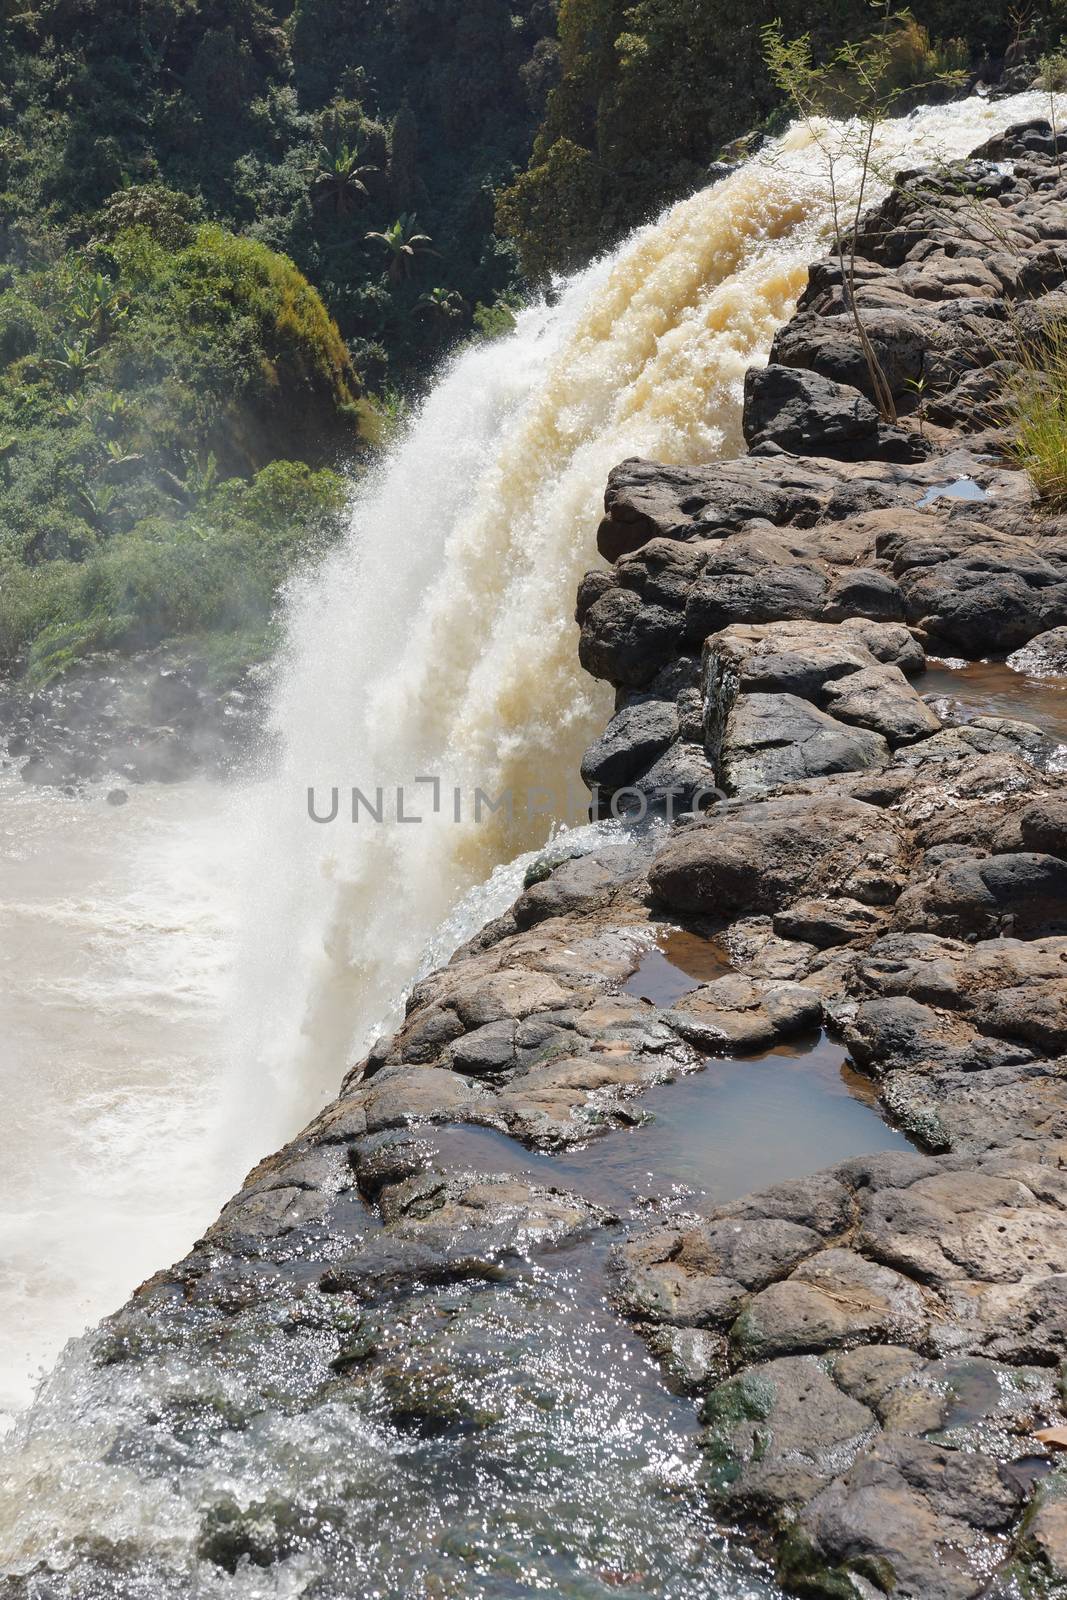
[652, 90]
[175, 176]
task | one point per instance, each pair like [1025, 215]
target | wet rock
[691, 1358]
[736, 1012]
[1044, 657]
[699, 1277]
[1041, 1549]
[778, 1433]
[911, 1515]
[401, 1095]
[569, 1100]
[387, 1158]
[525, 1213]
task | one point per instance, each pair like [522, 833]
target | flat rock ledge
[872, 1349]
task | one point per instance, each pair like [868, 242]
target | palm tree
[440, 303]
[338, 176]
[403, 244]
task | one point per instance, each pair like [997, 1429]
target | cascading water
[436, 642]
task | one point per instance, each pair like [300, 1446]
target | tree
[337, 177]
[403, 243]
[403, 157]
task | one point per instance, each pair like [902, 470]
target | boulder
[788, 408]
[825, 923]
[864, 592]
[914, 1514]
[1043, 826]
[736, 1012]
[834, 1300]
[1024, 894]
[848, 670]
[774, 739]
[774, 594]
[630, 743]
[804, 412]
[1044, 657]
[777, 1433]
[626, 641]
[988, 600]
[761, 857]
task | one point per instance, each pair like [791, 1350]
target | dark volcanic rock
[808, 414]
[773, 739]
[1024, 893]
[763, 856]
[629, 745]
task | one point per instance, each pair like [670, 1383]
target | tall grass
[1037, 412]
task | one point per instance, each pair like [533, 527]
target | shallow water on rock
[736, 1124]
[677, 963]
[510, 1439]
[957, 489]
[993, 689]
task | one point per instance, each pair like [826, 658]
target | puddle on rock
[993, 689]
[677, 964]
[732, 1126]
[958, 489]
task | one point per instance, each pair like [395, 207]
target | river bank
[852, 1366]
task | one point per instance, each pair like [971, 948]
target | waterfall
[437, 641]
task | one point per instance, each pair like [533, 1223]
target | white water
[115, 929]
[199, 943]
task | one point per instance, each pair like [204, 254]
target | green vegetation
[214, 293]
[652, 90]
[147, 390]
[1037, 409]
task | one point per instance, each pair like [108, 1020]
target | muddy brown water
[993, 689]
